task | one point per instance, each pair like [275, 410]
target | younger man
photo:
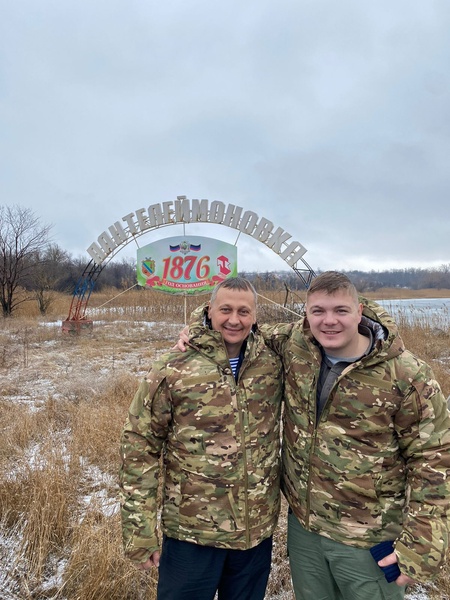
[366, 450]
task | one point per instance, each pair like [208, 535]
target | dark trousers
[192, 572]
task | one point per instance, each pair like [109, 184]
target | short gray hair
[234, 283]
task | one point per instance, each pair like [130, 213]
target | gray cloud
[330, 119]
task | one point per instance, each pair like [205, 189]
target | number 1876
[181, 267]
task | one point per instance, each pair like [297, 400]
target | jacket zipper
[311, 452]
[244, 458]
[314, 438]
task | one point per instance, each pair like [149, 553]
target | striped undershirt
[234, 364]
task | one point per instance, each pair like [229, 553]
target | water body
[431, 311]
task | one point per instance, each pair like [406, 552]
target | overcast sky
[329, 118]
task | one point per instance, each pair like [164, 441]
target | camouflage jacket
[376, 464]
[217, 442]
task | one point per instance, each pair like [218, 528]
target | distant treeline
[31, 267]
[414, 279]
[55, 269]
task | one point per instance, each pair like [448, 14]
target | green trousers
[323, 569]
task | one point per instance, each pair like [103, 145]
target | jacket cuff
[421, 568]
[139, 550]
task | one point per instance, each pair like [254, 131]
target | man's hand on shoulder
[184, 339]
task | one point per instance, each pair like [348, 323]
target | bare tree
[22, 236]
[48, 272]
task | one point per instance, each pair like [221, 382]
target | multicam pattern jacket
[220, 446]
[376, 465]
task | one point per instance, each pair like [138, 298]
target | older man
[212, 415]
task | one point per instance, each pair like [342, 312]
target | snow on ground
[39, 362]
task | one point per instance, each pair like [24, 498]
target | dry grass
[97, 569]
[399, 293]
[63, 401]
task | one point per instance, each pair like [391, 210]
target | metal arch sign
[184, 210]
[185, 264]
[180, 211]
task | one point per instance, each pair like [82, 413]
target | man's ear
[208, 316]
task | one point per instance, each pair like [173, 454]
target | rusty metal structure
[77, 321]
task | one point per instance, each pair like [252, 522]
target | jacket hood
[392, 345]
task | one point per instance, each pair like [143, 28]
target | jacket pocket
[209, 503]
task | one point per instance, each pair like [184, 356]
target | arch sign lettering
[183, 210]
[181, 272]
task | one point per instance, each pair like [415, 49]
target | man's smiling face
[233, 312]
[334, 320]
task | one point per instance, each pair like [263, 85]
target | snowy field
[39, 363]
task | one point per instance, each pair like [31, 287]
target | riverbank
[404, 293]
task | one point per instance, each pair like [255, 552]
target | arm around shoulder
[275, 336]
